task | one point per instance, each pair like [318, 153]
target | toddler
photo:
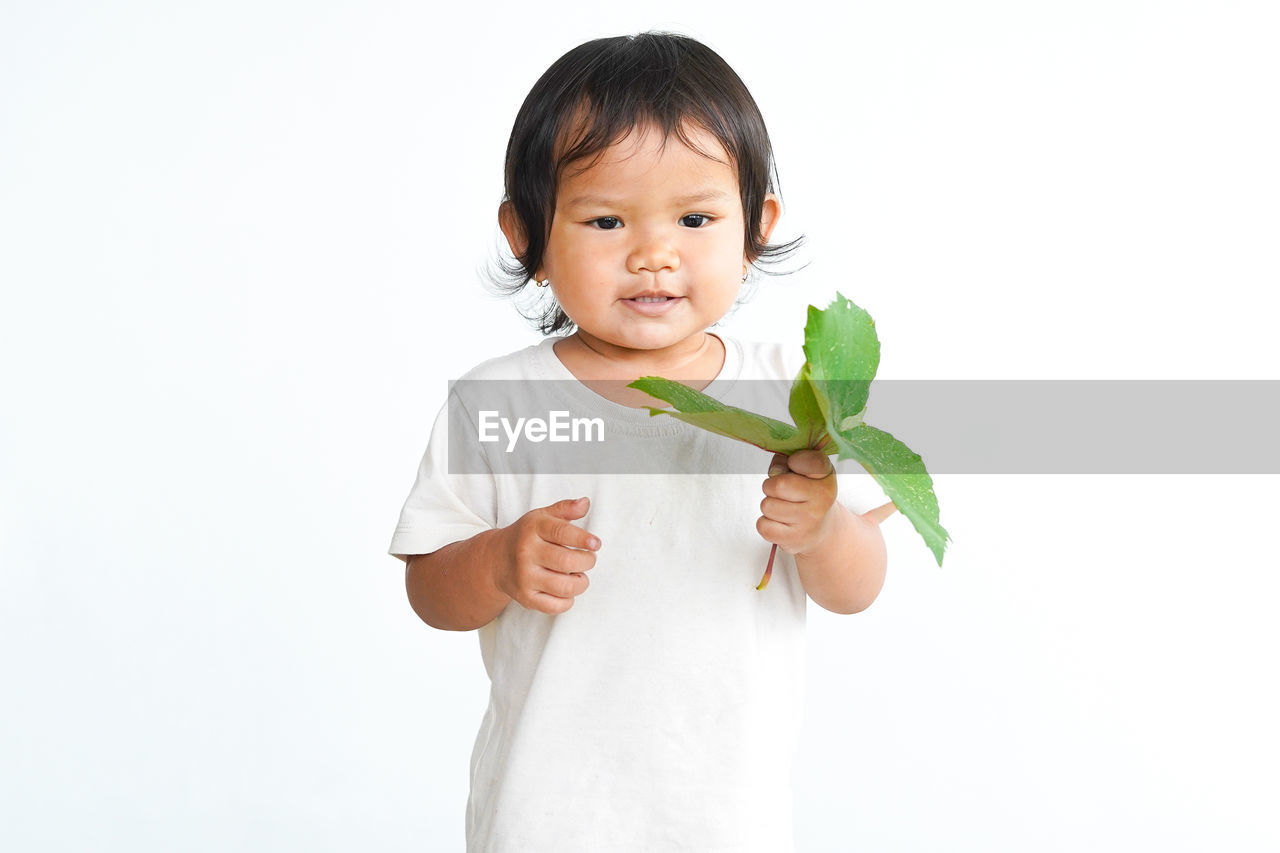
[645, 696]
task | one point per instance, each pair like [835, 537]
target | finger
[880, 513]
[569, 509]
[777, 465]
[555, 531]
[784, 488]
[556, 591]
[557, 558]
[813, 464]
[551, 604]
[775, 533]
[785, 512]
[561, 584]
[798, 488]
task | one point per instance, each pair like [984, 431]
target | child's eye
[695, 220]
[607, 223]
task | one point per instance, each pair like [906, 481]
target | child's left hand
[801, 496]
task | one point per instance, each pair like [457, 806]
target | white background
[241, 248]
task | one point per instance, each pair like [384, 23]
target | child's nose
[653, 253]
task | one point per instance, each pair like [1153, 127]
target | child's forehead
[648, 169]
[643, 138]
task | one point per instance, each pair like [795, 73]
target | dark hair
[600, 91]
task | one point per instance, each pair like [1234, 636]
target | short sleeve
[443, 508]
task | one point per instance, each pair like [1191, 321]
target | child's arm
[840, 556]
[539, 561]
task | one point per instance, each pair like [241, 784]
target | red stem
[768, 570]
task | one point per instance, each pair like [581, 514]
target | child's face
[646, 246]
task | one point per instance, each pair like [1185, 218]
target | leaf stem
[768, 570]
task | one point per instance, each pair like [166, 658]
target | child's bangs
[594, 128]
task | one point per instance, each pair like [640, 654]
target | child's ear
[770, 213]
[510, 225]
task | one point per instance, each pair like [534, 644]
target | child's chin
[653, 343]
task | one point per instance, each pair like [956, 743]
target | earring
[543, 283]
[745, 273]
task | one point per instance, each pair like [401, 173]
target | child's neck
[606, 369]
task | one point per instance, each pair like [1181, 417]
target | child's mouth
[652, 306]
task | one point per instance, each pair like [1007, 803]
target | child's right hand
[547, 557]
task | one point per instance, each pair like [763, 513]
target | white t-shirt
[661, 712]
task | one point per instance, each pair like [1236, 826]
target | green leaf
[696, 408]
[901, 473]
[843, 354]
[828, 402]
[806, 410]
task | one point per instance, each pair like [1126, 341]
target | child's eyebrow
[605, 201]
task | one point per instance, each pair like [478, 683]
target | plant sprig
[827, 403]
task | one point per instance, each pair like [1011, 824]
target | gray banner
[957, 426]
